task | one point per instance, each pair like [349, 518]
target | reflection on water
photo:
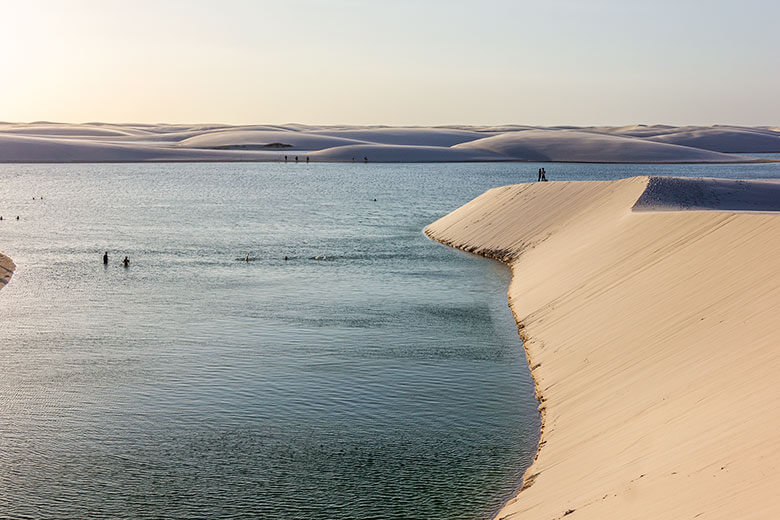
[384, 379]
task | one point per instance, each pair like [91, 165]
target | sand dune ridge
[652, 338]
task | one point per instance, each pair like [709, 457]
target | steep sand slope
[6, 270]
[653, 339]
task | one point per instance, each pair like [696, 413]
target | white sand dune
[63, 130]
[576, 146]
[443, 137]
[61, 142]
[295, 140]
[35, 149]
[653, 340]
[399, 153]
[731, 140]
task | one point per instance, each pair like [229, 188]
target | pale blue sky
[394, 62]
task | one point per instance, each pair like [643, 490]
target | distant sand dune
[47, 150]
[297, 140]
[399, 153]
[442, 137]
[63, 130]
[128, 142]
[570, 145]
[725, 140]
[652, 337]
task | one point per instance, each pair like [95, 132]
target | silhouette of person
[307, 158]
[126, 262]
[296, 158]
[365, 159]
[105, 258]
[285, 158]
[539, 177]
[544, 175]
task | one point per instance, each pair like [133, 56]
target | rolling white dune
[575, 146]
[400, 153]
[648, 309]
[732, 140]
[290, 140]
[96, 142]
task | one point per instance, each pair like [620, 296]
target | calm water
[386, 381]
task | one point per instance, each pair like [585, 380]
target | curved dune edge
[6, 270]
[652, 339]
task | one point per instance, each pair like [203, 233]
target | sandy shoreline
[651, 337]
[6, 270]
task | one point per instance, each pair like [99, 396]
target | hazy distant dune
[404, 153]
[730, 140]
[506, 128]
[35, 149]
[578, 146]
[409, 136]
[296, 140]
[127, 142]
[642, 131]
[50, 129]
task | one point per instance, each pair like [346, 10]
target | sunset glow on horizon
[420, 63]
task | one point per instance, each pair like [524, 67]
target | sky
[399, 62]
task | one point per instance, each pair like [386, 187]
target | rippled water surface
[383, 381]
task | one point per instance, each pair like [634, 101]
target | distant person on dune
[126, 262]
[544, 175]
[105, 258]
[539, 176]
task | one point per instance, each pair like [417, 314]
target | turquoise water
[385, 381]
